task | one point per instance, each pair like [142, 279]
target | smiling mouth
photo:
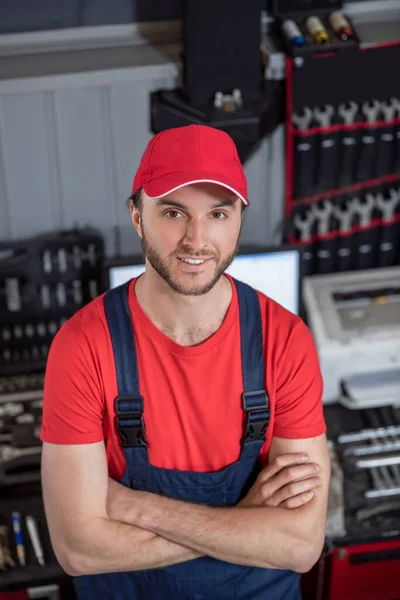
[194, 261]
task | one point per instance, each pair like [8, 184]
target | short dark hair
[136, 200]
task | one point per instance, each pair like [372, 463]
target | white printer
[355, 321]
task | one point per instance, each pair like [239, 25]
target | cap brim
[167, 184]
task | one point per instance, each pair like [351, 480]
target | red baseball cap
[181, 156]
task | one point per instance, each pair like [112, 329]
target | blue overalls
[203, 578]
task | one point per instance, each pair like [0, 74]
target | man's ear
[136, 219]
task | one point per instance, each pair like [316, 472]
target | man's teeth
[192, 261]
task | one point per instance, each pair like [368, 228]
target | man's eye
[219, 215]
[172, 214]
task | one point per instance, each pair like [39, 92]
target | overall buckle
[258, 414]
[130, 422]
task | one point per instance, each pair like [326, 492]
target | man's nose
[195, 234]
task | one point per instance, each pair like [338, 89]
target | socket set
[44, 280]
[307, 27]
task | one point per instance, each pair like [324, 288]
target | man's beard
[164, 271]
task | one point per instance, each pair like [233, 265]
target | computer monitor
[273, 271]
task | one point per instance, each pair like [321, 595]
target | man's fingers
[281, 462]
[291, 472]
[291, 490]
[298, 500]
[295, 473]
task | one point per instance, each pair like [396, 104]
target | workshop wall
[70, 144]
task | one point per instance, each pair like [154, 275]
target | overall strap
[254, 398]
[129, 403]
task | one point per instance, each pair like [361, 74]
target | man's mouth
[194, 261]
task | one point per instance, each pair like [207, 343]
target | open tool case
[44, 280]
[343, 158]
[299, 11]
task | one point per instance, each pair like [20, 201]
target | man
[184, 450]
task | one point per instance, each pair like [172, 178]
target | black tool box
[44, 280]
[343, 158]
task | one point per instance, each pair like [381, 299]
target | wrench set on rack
[354, 231]
[336, 148]
[343, 159]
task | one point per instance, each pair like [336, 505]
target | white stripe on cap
[228, 187]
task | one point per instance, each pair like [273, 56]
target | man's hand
[287, 482]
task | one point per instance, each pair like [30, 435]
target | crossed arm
[99, 526]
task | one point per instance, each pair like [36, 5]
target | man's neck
[188, 320]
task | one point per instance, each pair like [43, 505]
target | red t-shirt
[192, 395]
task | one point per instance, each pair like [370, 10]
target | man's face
[201, 223]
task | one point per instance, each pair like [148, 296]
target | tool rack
[44, 280]
[342, 200]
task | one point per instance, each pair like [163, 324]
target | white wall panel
[85, 158]
[28, 183]
[70, 145]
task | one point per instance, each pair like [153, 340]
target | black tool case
[350, 167]
[44, 280]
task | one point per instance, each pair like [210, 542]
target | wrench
[348, 112]
[387, 204]
[344, 215]
[322, 214]
[364, 210]
[303, 121]
[396, 104]
[388, 109]
[371, 110]
[324, 115]
[304, 225]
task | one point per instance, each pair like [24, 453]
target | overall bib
[203, 578]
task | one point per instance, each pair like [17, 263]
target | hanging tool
[366, 168]
[304, 155]
[304, 226]
[389, 242]
[396, 161]
[386, 138]
[325, 253]
[348, 144]
[348, 112]
[303, 121]
[323, 115]
[326, 150]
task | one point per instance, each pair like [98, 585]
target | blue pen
[16, 520]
